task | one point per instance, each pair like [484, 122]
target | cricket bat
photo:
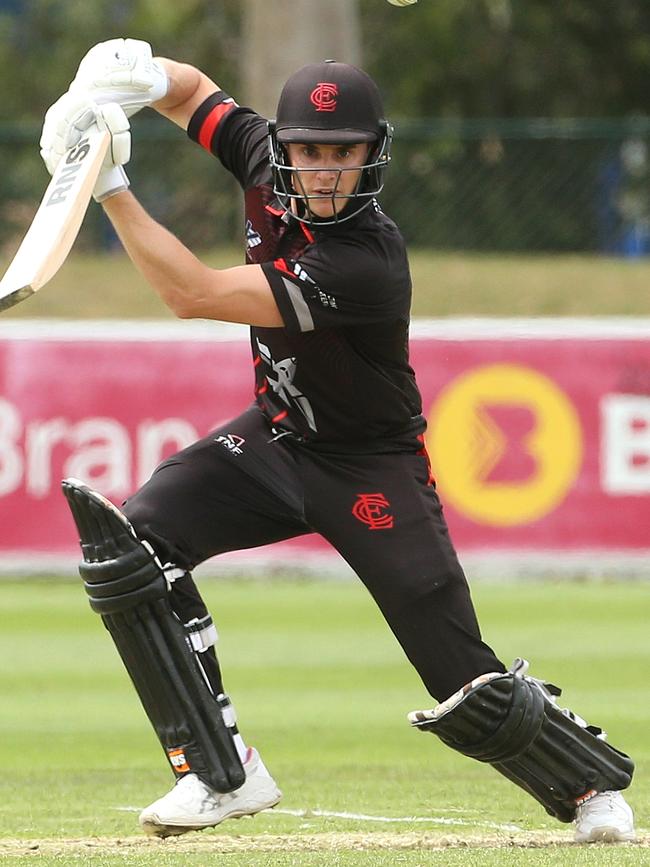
[57, 221]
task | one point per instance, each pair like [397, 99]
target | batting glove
[65, 124]
[121, 71]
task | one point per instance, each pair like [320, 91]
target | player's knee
[118, 570]
[148, 524]
[513, 722]
[139, 512]
[127, 585]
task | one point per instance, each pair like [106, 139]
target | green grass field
[445, 284]
[322, 689]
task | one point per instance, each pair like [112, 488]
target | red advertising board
[539, 430]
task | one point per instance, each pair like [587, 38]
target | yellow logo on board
[505, 444]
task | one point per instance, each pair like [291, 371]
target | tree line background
[464, 58]
[441, 65]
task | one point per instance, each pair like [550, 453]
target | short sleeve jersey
[337, 375]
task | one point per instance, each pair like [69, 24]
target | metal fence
[524, 186]
[502, 186]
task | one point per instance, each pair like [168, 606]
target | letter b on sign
[625, 444]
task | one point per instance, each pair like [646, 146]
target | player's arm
[188, 88]
[189, 287]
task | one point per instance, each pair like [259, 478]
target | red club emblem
[324, 96]
[370, 509]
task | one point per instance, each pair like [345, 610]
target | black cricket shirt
[337, 375]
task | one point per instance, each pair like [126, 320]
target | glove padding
[121, 71]
[68, 119]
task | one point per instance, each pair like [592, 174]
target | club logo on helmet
[332, 104]
[324, 96]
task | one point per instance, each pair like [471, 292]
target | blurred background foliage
[494, 104]
[508, 58]
[449, 58]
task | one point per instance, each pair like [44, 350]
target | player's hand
[69, 119]
[121, 71]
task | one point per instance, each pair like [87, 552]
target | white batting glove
[121, 71]
[65, 124]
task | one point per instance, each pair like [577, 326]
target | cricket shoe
[192, 805]
[605, 818]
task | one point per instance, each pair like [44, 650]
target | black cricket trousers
[241, 487]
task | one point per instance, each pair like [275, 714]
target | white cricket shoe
[192, 805]
[605, 818]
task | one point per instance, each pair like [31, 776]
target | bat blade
[57, 222]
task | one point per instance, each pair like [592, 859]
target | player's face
[331, 172]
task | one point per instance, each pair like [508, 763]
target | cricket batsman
[332, 443]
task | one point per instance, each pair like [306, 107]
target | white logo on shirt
[232, 442]
[283, 386]
[301, 274]
[253, 238]
[326, 300]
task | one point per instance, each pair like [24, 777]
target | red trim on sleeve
[212, 121]
[281, 265]
[257, 360]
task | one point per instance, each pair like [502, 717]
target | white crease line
[363, 817]
[436, 820]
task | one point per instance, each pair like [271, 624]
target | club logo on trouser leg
[370, 509]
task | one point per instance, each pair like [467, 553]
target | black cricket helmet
[329, 103]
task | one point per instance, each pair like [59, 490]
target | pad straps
[513, 722]
[127, 586]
